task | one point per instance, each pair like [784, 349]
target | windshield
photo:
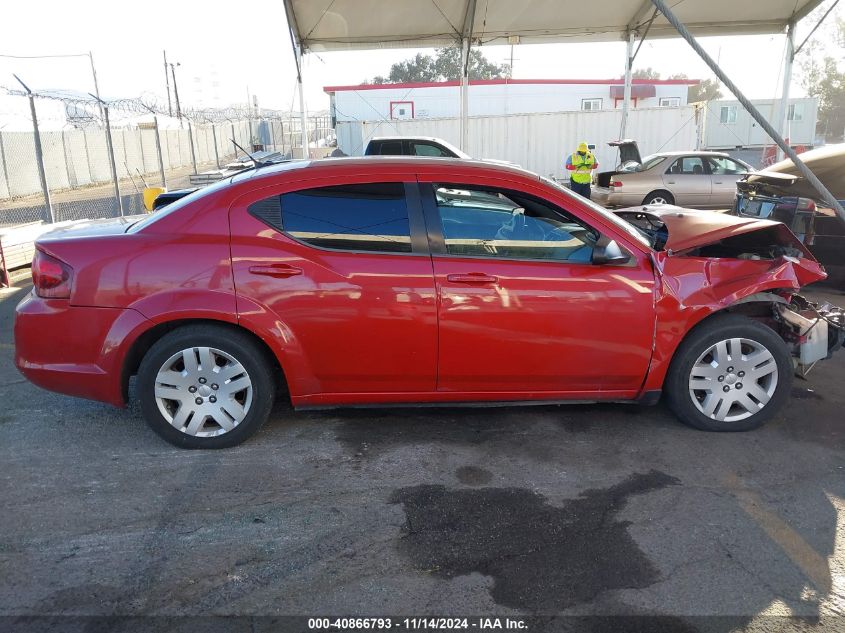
[627, 227]
[648, 163]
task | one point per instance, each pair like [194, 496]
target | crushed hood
[690, 229]
[828, 163]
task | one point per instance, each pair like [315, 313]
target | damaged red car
[390, 281]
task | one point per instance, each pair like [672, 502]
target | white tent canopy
[330, 25]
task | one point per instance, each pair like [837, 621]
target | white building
[729, 126]
[374, 102]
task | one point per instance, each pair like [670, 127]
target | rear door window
[359, 217]
[387, 148]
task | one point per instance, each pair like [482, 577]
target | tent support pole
[825, 194]
[783, 109]
[303, 115]
[296, 45]
[466, 46]
[626, 98]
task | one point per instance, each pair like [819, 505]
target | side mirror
[607, 251]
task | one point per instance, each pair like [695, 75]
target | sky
[226, 52]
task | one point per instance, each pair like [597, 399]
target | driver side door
[522, 311]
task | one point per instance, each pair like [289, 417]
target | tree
[645, 73]
[706, 90]
[823, 77]
[445, 66]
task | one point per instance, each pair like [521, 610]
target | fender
[690, 289]
[186, 303]
[282, 341]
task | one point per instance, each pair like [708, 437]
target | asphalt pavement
[607, 515]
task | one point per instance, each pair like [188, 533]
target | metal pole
[303, 120]
[176, 92]
[112, 162]
[167, 83]
[826, 195]
[191, 141]
[626, 97]
[783, 109]
[216, 153]
[465, 48]
[158, 151]
[39, 154]
[96, 85]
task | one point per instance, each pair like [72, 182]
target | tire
[714, 387]
[659, 197]
[229, 373]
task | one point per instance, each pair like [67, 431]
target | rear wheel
[731, 374]
[205, 386]
[659, 197]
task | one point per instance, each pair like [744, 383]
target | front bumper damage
[814, 331]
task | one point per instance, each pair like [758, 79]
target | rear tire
[730, 374]
[659, 197]
[206, 386]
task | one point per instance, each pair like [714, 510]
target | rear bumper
[607, 197]
[75, 350]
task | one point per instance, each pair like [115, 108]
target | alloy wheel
[733, 379]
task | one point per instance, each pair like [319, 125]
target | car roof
[694, 152]
[406, 138]
[377, 163]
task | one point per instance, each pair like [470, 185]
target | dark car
[779, 193]
[412, 146]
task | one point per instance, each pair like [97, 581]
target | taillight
[51, 276]
[616, 183]
[805, 204]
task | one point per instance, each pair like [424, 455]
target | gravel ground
[593, 511]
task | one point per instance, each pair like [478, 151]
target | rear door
[724, 172]
[339, 270]
[688, 180]
[523, 313]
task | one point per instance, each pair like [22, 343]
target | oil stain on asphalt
[541, 558]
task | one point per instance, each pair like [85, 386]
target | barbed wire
[82, 108]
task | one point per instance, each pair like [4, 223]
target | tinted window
[370, 217]
[688, 165]
[491, 223]
[386, 148]
[427, 149]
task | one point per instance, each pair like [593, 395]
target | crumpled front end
[756, 271]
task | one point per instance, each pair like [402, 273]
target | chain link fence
[84, 159]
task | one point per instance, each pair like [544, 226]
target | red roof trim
[494, 82]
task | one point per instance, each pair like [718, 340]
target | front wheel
[730, 374]
[205, 386]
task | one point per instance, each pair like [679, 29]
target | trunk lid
[89, 228]
[629, 151]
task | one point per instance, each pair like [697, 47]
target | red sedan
[436, 281]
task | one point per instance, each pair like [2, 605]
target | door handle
[717, 182]
[670, 182]
[472, 278]
[276, 270]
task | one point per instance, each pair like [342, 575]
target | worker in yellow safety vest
[581, 165]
